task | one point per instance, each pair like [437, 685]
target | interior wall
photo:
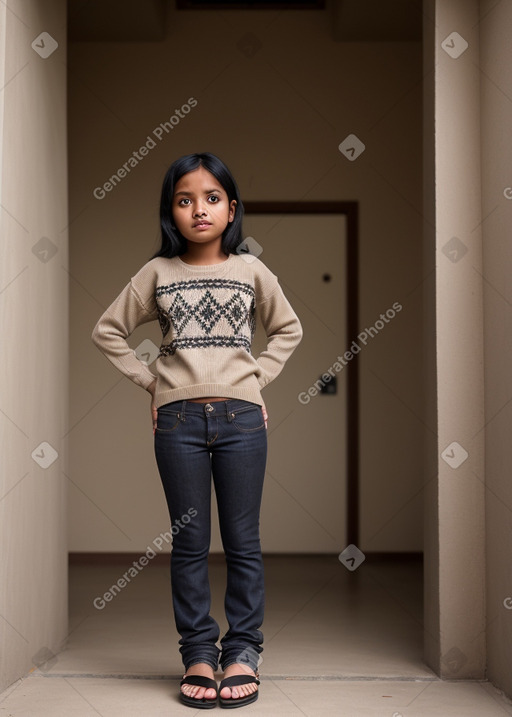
[455, 611]
[34, 320]
[496, 119]
[275, 96]
[430, 448]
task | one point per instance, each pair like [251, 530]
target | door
[304, 507]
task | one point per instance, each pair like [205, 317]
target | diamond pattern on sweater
[207, 312]
[202, 313]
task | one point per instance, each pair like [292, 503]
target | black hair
[173, 242]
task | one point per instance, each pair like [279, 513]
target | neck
[204, 254]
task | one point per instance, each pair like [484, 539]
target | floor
[337, 642]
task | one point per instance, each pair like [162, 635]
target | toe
[193, 691]
[225, 693]
[198, 693]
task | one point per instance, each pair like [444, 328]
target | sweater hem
[204, 390]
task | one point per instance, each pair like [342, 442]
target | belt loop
[182, 410]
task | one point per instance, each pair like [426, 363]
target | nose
[199, 211]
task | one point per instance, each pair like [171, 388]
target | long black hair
[173, 242]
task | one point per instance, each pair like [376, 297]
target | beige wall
[429, 319]
[276, 118]
[496, 120]
[34, 316]
[455, 609]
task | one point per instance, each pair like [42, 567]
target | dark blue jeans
[193, 442]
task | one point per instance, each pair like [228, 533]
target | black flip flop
[200, 681]
[235, 681]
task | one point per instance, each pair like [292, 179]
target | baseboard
[163, 557]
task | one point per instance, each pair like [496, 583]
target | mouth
[202, 224]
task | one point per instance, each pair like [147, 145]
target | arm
[284, 333]
[121, 318]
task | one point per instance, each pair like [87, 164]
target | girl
[209, 418]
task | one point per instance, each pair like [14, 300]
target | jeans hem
[194, 661]
[224, 665]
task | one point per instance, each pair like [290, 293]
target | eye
[183, 200]
[214, 196]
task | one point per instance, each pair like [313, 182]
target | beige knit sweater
[208, 317]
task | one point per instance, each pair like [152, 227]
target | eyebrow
[207, 191]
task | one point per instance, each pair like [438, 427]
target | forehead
[200, 178]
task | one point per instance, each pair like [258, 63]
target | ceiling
[146, 20]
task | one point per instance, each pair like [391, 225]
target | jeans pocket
[167, 421]
[248, 420]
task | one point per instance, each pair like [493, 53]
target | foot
[238, 691]
[204, 669]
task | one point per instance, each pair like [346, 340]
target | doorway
[313, 479]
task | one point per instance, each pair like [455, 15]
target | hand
[154, 414]
[265, 416]
[154, 411]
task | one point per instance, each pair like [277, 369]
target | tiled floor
[337, 642]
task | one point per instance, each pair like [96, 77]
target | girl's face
[200, 207]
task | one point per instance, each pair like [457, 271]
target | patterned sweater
[207, 315]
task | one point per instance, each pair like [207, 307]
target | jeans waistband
[215, 408]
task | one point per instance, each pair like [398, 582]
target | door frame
[351, 212]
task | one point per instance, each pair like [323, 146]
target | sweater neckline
[205, 267]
